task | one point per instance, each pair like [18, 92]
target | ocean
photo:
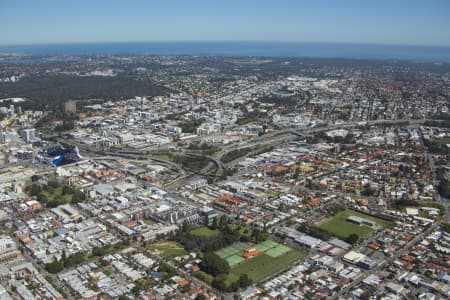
[256, 49]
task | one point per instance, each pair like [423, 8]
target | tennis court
[232, 254]
[232, 250]
[278, 251]
[260, 247]
[266, 245]
[234, 260]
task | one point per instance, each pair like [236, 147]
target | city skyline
[225, 149]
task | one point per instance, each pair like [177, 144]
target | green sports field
[204, 231]
[263, 266]
[168, 249]
[274, 257]
[338, 225]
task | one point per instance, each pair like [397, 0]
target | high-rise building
[2, 137]
[29, 134]
[70, 106]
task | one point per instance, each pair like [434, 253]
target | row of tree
[81, 257]
[65, 262]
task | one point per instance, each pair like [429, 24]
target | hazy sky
[418, 22]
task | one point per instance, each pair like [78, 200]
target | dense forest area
[51, 91]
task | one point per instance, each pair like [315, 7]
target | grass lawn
[272, 193]
[204, 231]
[168, 249]
[263, 266]
[149, 221]
[339, 226]
[161, 156]
[57, 192]
[443, 141]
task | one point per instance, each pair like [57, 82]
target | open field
[204, 231]
[168, 249]
[339, 226]
[263, 266]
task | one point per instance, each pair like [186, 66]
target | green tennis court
[239, 246]
[262, 247]
[232, 250]
[266, 245]
[225, 252]
[234, 260]
[278, 251]
[232, 254]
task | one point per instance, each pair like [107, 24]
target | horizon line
[223, 41]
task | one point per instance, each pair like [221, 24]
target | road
[444, 201]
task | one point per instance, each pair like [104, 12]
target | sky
[404, 22]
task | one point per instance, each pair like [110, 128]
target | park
[339, 226]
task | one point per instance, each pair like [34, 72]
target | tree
[233, 287]
[214, 224]
[42, 198]
[366, 190]
[55, 267]
[446, 227]
[200, 297]
[206, 219]
[101, 251]
[214, 264]
[74, 259]
[244, 281]
[185, 226]
[263, 235]
[78, 196]
[52, 183]
[282, 207]
[186, 288]
[223, 221]
[190, 126]
[259, 235]
[35, 189]
[219, 282]
[66, 190]
[139, 285]
[352, 238]
[444, 188]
